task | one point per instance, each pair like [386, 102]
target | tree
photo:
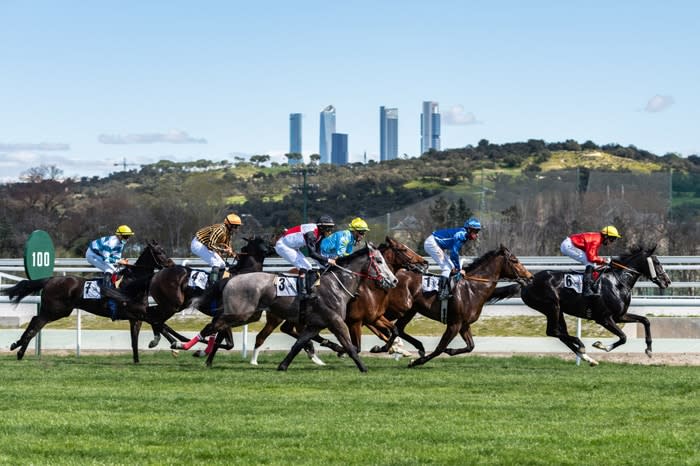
[260, 160]
[315, 158]
[294, 157]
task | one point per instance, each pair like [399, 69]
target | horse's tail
[24, 288]
[503, 292]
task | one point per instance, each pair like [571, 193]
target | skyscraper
[388, 133]
[339, 149]
[325, 135]
[429, 127]
[294, 134]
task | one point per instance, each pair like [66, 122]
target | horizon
[87, 88]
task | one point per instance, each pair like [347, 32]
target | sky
[91, 86]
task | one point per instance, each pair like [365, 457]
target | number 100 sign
[39, 255]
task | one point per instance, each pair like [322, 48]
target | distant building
[339, 149]
[295, 134]
[325, 135]
[388, 133]
[429, 127]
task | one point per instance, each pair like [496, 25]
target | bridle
[372, 266]
[508, 256]
[650, 264]
[407, 262]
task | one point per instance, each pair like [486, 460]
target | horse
[548, 293]
[60, 295]
[366, 308]
[245, 296]
[172, 293]
[477, 282]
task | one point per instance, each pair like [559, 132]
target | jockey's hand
[331, 261]
[608, 261]
[123, 261]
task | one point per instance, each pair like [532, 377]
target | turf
[462, 410]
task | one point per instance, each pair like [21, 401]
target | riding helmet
[124, 230]
[325, 221]
[358, 224]
[473, 224]
[232, 219]
[610, 231]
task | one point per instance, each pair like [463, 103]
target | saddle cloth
[91, 289]
[430, 283]
[286, 286]
[198, 279]
[574, 281]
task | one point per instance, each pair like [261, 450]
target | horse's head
[398, 255]
[379, 270]
[258, 247]
[513, 268]
[644, 262]
[154, 256]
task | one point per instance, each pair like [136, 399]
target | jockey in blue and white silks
[106, 253]
[341, 243]
[450, 239]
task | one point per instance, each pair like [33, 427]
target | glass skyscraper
[339, 149]
[429, 127]
[295, 134]
[388, 133]
[325, 134]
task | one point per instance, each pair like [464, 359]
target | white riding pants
[438, 255]
[568, 249]
[206, 254]
[293, 256]
[98, 261]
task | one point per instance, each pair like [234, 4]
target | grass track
[465, 410]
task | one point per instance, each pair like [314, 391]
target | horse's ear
[388, 239]
[651, 249]
[247, 240]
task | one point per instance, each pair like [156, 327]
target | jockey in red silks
[583, 248]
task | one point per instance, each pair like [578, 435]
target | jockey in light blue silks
[341, 243]
[450, 239]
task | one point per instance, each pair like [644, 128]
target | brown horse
[476, 284]
[366, 308]
[60, 295]
[170, 289]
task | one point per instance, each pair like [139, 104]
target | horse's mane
[636, 250]
[480, 260]
[350, 257]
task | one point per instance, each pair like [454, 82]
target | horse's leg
[306, 335]
[290, 329]
[208, 329]
[631, 318]
[401, 324]
[35, 325]
[450, 332]
[272, 321]
[338, 327]
[228, 343]
[466, 334]
[219, 338]
[556, 327]
[135, 328]
[356, 335]
[613, 328]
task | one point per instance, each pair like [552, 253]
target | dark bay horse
[60, 295]
[366, 308]
[548, 294]
[170, 290]
[470, 293]
[245, 297]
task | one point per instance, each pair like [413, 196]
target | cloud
[659, 103]
[5, 147]
[457, 116]
[172, 137]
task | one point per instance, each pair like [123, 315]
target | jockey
[583, 248]
[106, 253]
[310, 235]
[450, 239]
[209, 243]
[341, 243]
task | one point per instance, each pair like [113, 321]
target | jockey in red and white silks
[295, 238]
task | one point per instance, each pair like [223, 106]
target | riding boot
[214, 275]
[304, 293]
[111, 302]
[588, 282]
[444, 288]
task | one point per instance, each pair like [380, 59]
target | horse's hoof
[282, 368]
[174, 353]
[176, 346]
[152, 344]
[376, 349]
[199, 354]
[316, 360]
[253, 363]
[648, 352]
[13, 346]
[593, 362]
[599, 345]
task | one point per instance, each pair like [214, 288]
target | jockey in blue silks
[341, 243]
[450, 239]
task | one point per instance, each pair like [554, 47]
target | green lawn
[463, 410]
